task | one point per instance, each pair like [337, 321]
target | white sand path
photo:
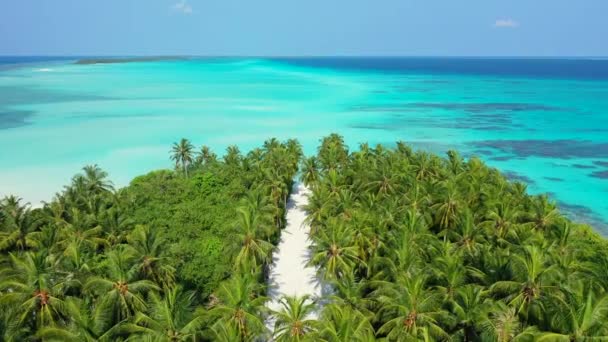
[289, 274]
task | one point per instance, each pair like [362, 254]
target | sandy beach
[289, 274]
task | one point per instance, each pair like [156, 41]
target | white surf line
[289, 274]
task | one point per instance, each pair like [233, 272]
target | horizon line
[306, 56]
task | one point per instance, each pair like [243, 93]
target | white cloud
[506, 23]
[183, 7]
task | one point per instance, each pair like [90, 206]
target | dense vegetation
[423, 248]
[413, 247]
[175, 256]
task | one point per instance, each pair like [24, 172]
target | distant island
[112, 60]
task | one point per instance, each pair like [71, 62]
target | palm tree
[278, 193]
[96, 180]
[294, 150]
[182, 153]
[257, 201]
[404, 149]
[120, 294]
[47, 239]
[332, 152]
[468, 236]
[471, 307]
[424, 166]
[81, 230]
[10, 206]
[271, 144]
[17, 225]
[253, 249]
[240, 305]
[150, 254]
[455, 163]
[233, 156]
[580, 316]
[222, 331]
[171, 318]
[531, 285]
[334, 251]
[449, 272]
[417, 198]
[410, 310]
[32, 290]
[503, 326]
[385, 183]
[501, 219]
[595, 273]
[310, 171]
[116, 222]
[350, 292]
[318, 209]
[412, 237]
[365, 237]
[292, 322]
[344, 324]
[544, 214]
[333, 182]
[206, 156]
[447, 207]
[87, 325]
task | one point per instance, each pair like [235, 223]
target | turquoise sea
[542, 121]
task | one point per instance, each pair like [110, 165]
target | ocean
[541, 121]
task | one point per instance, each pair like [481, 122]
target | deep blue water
[572, 68]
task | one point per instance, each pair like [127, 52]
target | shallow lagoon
[544, 122]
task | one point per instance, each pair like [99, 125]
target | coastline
[37, 196]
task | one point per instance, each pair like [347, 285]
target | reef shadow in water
[374, 127]
[471, 116]
[562, 149]
[483, 152]
[21, 95]
[582, 166]
[403, 120]
[581, 213]
[600, 174]
[491, 107]
[426, 146]
[501, 158]
[13, 119]
[601, 163]
[486, 107]
[514, 176]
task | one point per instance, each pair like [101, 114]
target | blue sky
[305, 27]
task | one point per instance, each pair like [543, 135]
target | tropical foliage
[175, 256]
[424, 248]
[412, 247]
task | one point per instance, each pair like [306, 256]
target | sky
[305, 27]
